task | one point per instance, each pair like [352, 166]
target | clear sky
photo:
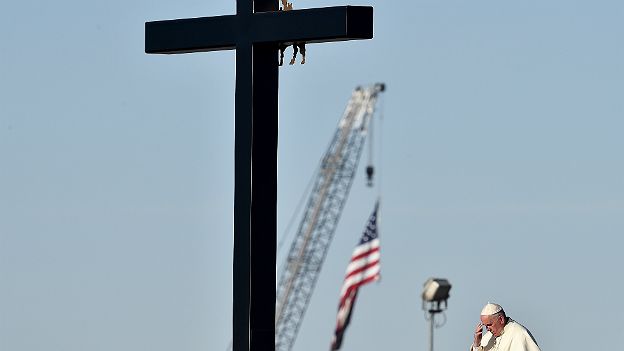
[501, 169]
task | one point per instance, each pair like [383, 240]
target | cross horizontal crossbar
[226, 32]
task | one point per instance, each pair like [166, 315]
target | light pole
[434, 296]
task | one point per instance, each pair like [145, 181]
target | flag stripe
[364, 270]
[357, 280]
[367, 280]
[362, 248]
[363, 261]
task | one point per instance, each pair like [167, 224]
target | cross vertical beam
[264, 198]
[265, 78]
[243, 132]
[243, 138]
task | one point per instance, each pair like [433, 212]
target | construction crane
[327, 198]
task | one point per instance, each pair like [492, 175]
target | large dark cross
[257, 31]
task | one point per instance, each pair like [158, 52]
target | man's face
[494, 324]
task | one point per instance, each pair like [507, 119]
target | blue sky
[501, 169]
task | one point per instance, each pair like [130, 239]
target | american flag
[363, 268]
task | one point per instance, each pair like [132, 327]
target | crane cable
[380, 142]
[370, 169]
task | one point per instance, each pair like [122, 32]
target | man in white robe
[503, 333]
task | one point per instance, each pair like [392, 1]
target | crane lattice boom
[324, 207]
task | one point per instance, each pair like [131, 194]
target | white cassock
[515, 337]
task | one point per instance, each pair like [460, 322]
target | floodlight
[436, 289]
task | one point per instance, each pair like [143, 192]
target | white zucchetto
[490, 309]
